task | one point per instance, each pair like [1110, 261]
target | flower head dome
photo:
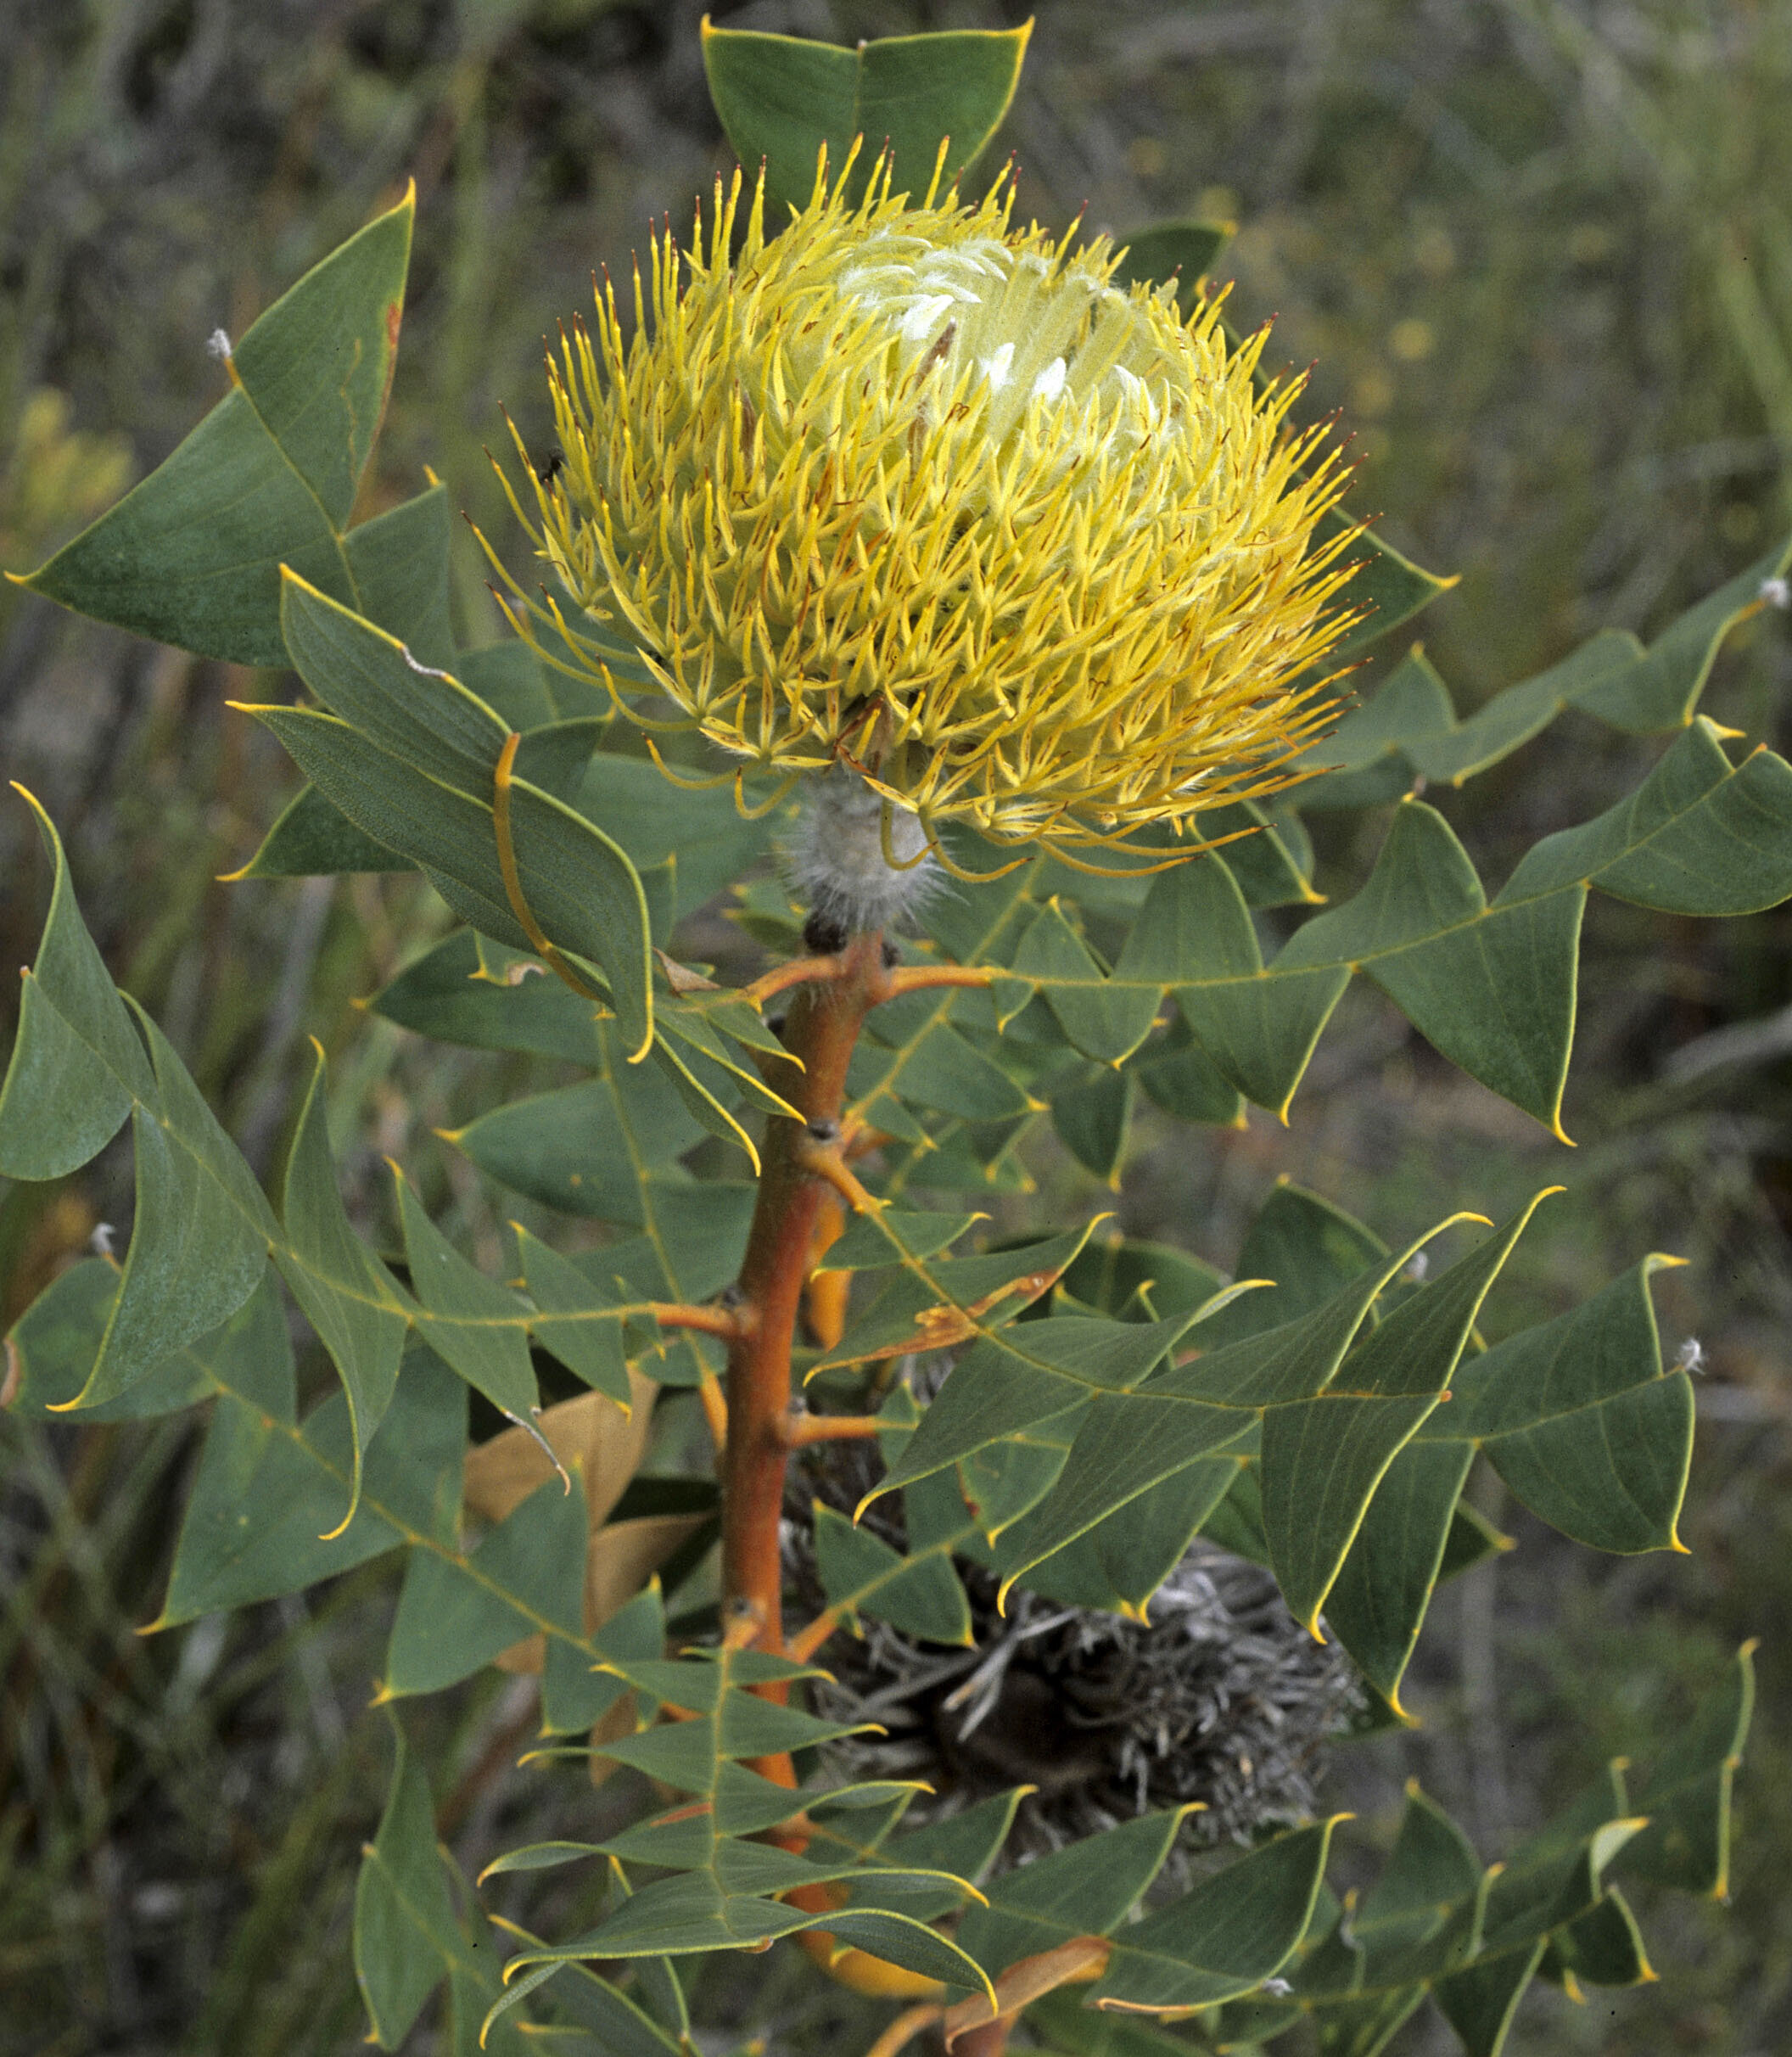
[909, 491]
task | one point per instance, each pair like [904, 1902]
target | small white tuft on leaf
[100, 1242]
[1418, 1267]
[836, 861]
[1777, 592]
[217, 344]
[1690, 1356]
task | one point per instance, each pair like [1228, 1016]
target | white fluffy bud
[835, 859]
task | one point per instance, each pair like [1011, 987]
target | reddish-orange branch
[801, 1430]
[802, 1167]
[723, 1321]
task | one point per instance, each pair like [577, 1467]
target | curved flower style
[908, 490]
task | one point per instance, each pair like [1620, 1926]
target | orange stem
[723, 1321]
[801, 1430]
[922, 977]
[801, 1165]
[800, 971]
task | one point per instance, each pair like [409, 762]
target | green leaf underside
[781, 100]
[192, 555]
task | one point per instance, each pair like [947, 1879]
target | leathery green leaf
[1126, 1443]
[860, 1573]
[1699, 835]
[312, 838]
[1687, 1795]
[1324, 1457]
[408, 1937]
[77, 1066]
[1492, 988]
[457, 1613]
[582, 890]
[404, 1928]
[476, 1325]
[448, 994]
[367, 678]
[51, 1348]
[1181, 251]
[1233, 1931]
[268, 1485]
[781, 100]
[1387, 590]
[267, 478]
[1377, 1605]
[1086, 1889]
[1260, 1032]
[199, 1236]
[1579, 1418]
[347, 1295]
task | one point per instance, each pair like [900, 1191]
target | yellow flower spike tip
[912, 493]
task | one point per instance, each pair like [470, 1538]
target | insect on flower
[914, 493]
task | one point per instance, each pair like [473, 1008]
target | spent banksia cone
[911, 493]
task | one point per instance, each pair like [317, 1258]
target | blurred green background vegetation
[1538, 253]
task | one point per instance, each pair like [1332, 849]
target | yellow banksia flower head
[912, 492]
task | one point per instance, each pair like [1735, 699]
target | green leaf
[1233, 1931]
[313, 839]
[407, 1936]
[1604, 1947]
[1377, 1605]
[348, 1296]
[584, 893]
[398, 563]
[367, 678]
[1699, 835]
[404, 1919]
[1260, 1033]
[575, 1319]
[938, 1069]
[1307, 1248]
[1419, 1918]
[1367, 758]
[475, 1325]
[267, 1488]
[53, 1344]
[1387, 589]
[1410, 729]
[860, 1574]
[936, 1302]
[1138, 1281]
[1092, 1112]
[447, 835]
[1127, 1442]
[1033, 1372]
[199, 1233]
[78, 1065]
[1324, 1457]
[1086, 1889]
[1180, 251]
[594, 1150]
[1687, 1795]
[1493, 988]
[781, 100]
[1480, 2001]
[267, 478]
[1578, 1417]
[1107, 1020]
[457, 1613]
[447, 994]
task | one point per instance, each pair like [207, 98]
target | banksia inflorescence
[912, 493]
[1219, 1703]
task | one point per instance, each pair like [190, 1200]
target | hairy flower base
[911, 491]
